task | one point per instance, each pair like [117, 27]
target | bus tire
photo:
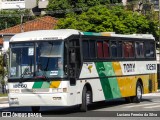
[86, 99]
[35, 109]
[138, 97]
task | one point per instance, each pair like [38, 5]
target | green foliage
[111, 19]
[2, 70]
[61, 7]
[12, 18]
[58, 5]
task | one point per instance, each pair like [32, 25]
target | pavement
[4, 102]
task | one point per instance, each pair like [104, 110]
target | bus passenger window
[119, 47]
[85, 49]
[92, 49]
[149, 49]
[114, 49]
[100, 49]
[139, 49]
[128, 49]
[106, 49]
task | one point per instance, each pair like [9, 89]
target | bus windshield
[38, 59]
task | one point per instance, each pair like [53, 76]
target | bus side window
[106, 49]
[128, 49]
[100, 49]
[114, 49]
[85, 49]
[119, 47]
[149, 49]
[92, 49]
[139, 49]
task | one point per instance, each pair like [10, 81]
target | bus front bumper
[58, 99]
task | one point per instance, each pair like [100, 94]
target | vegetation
[4, 95]
[61, 7]
[112, 19]
[2, 71]
[9, 18]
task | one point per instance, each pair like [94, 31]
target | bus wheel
[138, 97]
[86, 99]
[35, 109]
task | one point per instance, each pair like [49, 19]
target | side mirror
[5, 60]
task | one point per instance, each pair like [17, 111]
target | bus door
[74, 60]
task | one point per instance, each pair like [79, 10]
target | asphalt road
[150, 106]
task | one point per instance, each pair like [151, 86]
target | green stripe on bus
[45, 85]
[37, 85]
[92, 33]
[109, 85]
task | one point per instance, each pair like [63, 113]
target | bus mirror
[73, 57]
[5, 60]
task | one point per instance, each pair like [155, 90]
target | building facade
[17, 4]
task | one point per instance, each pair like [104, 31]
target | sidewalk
[4, 102]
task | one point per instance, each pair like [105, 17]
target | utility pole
[21, 18]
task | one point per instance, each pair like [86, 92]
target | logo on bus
[129, 67]
[90, 68]
[20, 85]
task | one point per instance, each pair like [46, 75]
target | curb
[3, 97]
[4, 106]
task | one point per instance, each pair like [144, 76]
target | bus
[67, 67]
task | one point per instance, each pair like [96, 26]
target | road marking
[140, 105]
[153, 106]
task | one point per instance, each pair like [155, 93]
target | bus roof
[64, 33]
[44, 35]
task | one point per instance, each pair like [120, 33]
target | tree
[111, 19]
[2, 70]
[11, 18]
[59, 8]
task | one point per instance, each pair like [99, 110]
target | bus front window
[50, 59]
[22, 60]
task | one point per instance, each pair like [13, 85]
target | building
[17, 4]
[43, 23]
[42, 4]
[156, 4]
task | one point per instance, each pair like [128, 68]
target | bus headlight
[14, 90]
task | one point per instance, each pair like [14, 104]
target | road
[150, 104]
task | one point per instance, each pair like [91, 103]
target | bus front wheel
[86, 99]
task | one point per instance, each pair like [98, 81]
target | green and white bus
[67, 67]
